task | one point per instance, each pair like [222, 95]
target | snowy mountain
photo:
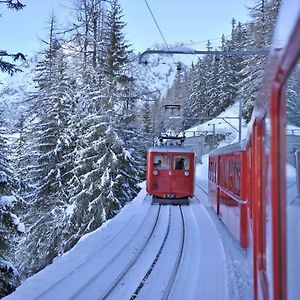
[14, 90]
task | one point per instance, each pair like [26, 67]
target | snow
[70, 209]
[7, 200]
[101, 255]
[18, 223]
[176, 48]
[4, 264]
[230, 130]
[292, 130]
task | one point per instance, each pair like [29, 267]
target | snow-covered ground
[227, 123]
[124, 258]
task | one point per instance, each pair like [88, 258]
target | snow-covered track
[159, 278]
[202, 186]
[133, 260]
[97, 261]
[115, 260]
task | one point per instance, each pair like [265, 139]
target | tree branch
[17, 5]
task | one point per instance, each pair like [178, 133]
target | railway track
[156, 242]
[55, 289]
[170, 253]
[140, 278]
[150, 256]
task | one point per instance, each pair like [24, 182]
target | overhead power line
[159, 29]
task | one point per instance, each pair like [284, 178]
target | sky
[180, 21]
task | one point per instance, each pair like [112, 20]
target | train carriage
[227, 194]
[170, 174]
[262, 174]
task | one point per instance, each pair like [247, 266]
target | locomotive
[170, 173]
[170, 165]
[253, 184]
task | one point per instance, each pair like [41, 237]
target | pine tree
[117, 53]
[10, 226]
[259, 36]
[52, 164]
[106, 163]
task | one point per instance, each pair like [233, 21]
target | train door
[162, 165]
[182, 181]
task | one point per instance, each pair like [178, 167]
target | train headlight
[155, 172]
[186, 173]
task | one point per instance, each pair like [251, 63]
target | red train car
[170, 174]
[253, 186]
[226, 193]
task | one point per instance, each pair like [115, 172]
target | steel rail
[136, 292]
[133, 260]
[178, 260]
[93, 254]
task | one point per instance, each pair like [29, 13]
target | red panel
[182, 184]
[232, 205]
[278, 113]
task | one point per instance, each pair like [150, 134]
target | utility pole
[240, 119]
[214, 134]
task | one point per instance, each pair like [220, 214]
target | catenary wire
[159, 29]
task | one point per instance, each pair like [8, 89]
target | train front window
[161, 162]
[181, 163]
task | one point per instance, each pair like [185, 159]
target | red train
[253, 185]
[170, 174]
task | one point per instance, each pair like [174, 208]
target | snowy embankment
[145, 252]
[227, 124]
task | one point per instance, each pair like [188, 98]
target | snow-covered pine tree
[147, 128]
[10, 226]
[22, 154]
[204, 89]
[87, 40]
[51, 165]
[187, 87]
[107, 166]
[259, 34]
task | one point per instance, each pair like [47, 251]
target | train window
[231, 175]
[161, 162]
[215, 172]
[237, 178]
[222, 175]
[292, 163]
[181, 163]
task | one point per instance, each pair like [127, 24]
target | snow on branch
[11, 4]
[8, 67]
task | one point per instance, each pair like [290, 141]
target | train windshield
[181, 163]
[161, 162]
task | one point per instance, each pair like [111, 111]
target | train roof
[236, 147]
[179, 149]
